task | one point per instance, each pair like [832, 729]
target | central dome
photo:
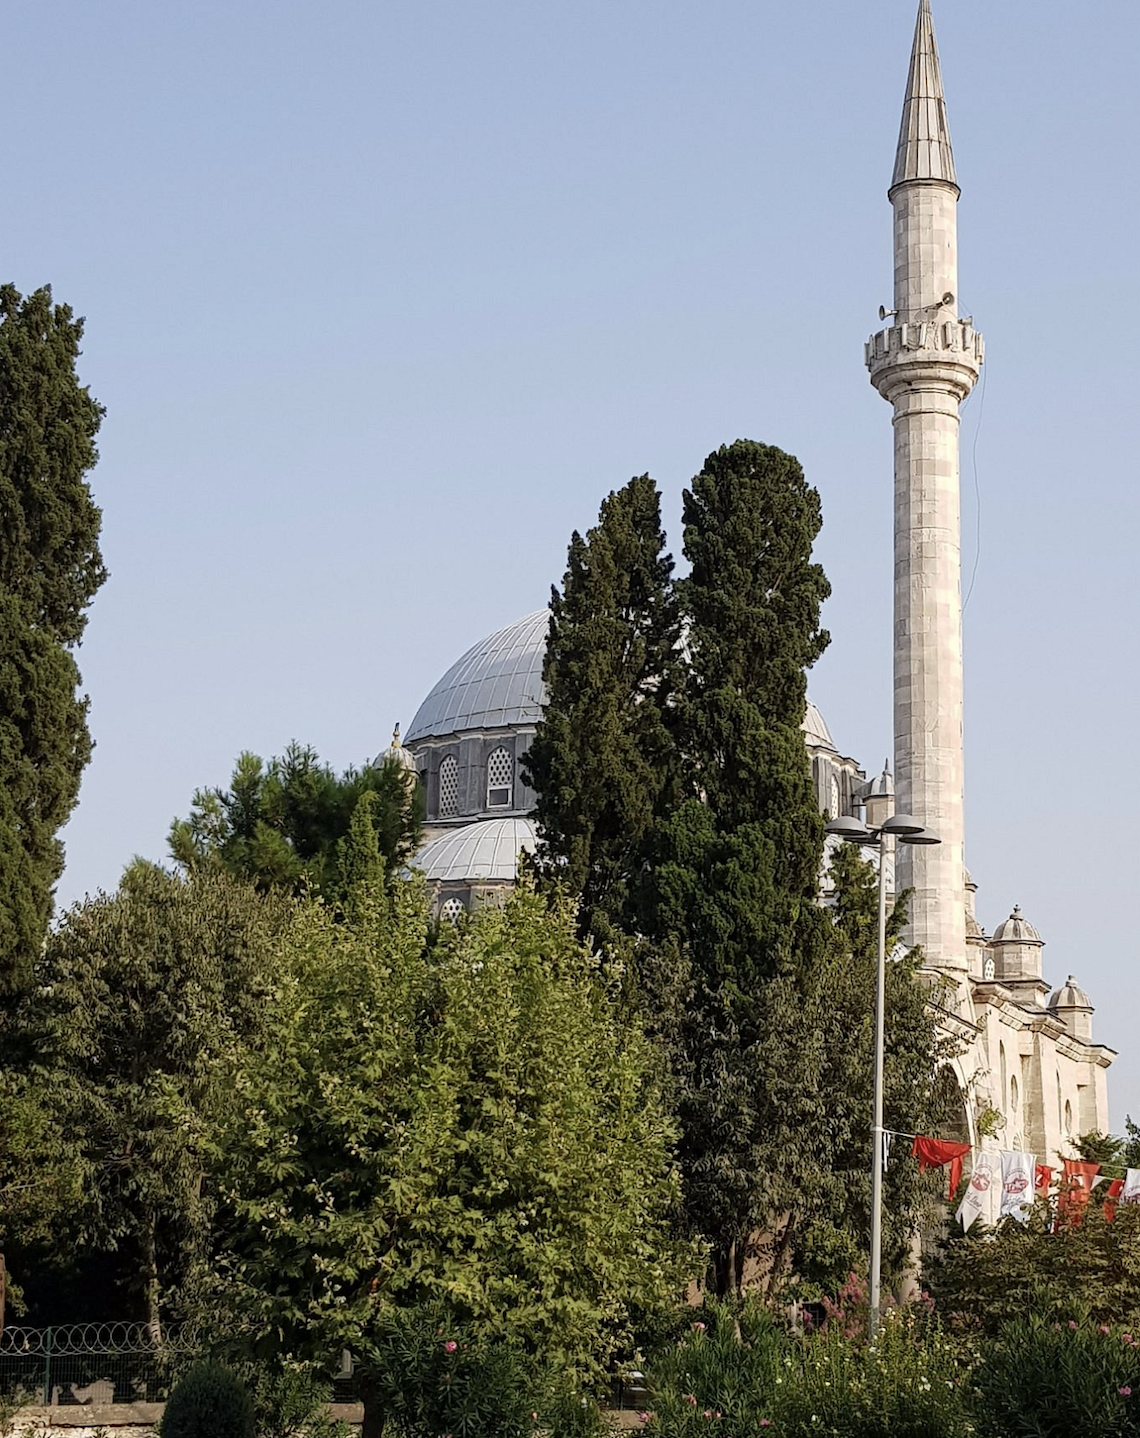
[498, 684]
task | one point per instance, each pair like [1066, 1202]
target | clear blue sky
[382, 298]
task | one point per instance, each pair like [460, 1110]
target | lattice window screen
[500, 779]
[448, 787]
[450, 910]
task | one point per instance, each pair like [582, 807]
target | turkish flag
[1076, 1185]
[937, 1153]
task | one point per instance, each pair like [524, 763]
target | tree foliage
[676, 798]
[603, 762]
[473, 1124]
[140, 995]
[281, 825]
[1061, 1273]
[738, 862]
[50, 570]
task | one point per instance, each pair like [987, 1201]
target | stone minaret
[924, 364]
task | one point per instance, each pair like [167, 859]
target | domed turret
[397, 754]
[879, 797]
[1074, 1008]
[1017, 949]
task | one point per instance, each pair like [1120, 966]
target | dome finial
[396, 737]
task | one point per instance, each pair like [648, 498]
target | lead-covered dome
[1016, 930]
[483, 853]
[496, 684]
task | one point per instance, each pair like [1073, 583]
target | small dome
[397, 754]
[816, 732]
[487, 852]
[497, 683]
[1016, 930]
[1070, 996]
[881, 787]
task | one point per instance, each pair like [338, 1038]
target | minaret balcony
[938, 352]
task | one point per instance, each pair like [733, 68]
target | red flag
[1115, 1189]
[1076, 1185]
[937, 1153]
[1042, 1178]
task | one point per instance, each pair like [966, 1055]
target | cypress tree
[603, 762]
[737, 864]
[50, 570]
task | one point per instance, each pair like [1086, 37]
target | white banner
[983, 1191]
[1017, 1171]
[1131, 1191]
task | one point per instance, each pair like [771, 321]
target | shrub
[432, 1376]
[291, 1403]
[907, 1384]
[1054, 1379]
[723, 1372]
[208, 1402]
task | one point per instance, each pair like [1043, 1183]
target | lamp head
[850, 829]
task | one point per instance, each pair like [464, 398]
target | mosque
[1029, 1073]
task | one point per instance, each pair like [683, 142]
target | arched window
[1068, 1119]
[1013, 1093]
[1001, 1059]
[448, 787]
[451, 910]
[836, 801]
[500, 779]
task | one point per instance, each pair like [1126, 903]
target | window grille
[500, 779]
[448, 787]
[451, 910]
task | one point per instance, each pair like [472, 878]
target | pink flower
[1127, 1337]
[1072, 1325]
[707, 1413]
[765, 1423]
[1103, 1328]
[698, 1327]
[691, 1399]
[450, 1346]
[643, 1417]
[1125, 1392]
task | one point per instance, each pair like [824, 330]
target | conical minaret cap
[924, 151]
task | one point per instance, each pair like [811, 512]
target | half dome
[487, 852]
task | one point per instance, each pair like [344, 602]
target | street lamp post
[900, 828]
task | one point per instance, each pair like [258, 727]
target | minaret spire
[924, 151]
[924, 364]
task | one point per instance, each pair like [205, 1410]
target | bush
[208, 1402]
[432, 1377]
[723, 1372]
[1053, 1379]
[907, 1384]
[291, 1403]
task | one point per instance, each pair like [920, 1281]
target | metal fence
[91, 1363]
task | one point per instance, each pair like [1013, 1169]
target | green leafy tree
[1086, 1270]
[280, 825]
[737, 865]
[475, 1124]
[50, 570]
[603, 762]
[829, 1240]
[139, 997]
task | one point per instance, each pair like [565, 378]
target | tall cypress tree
[737, 866]
[603, 763]
[50, 570]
